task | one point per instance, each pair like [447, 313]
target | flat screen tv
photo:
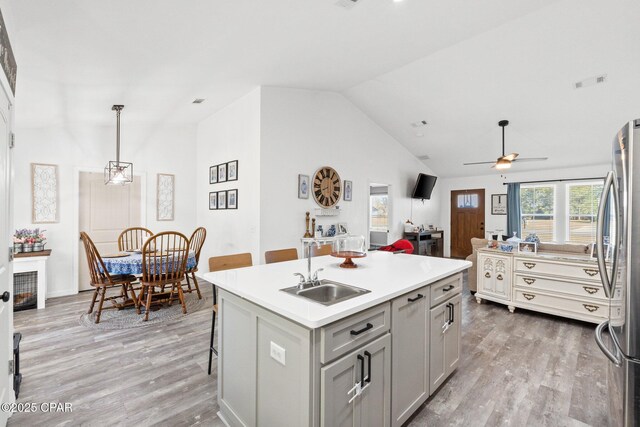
[424, 186]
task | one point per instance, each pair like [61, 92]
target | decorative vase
[27, 247]
[17, 248]
[38, 247]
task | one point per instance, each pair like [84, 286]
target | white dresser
[561, 284]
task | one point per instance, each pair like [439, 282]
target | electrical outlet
[278, 353]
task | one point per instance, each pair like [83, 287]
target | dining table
[131, 262]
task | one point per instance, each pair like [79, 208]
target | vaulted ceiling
[460, 65]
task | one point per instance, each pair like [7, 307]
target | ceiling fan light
[503, 164]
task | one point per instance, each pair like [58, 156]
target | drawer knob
[529, 297]
[528, 280]
[529, 265]
[487, 275]
[365, 329]
[499, 277]
[590, 308]
[591, 271]
[590, 290]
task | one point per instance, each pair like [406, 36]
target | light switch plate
[278, 353]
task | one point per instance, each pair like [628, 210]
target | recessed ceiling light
[198, 101]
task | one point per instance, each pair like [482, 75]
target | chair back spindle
[164, 257]
[133, 238]
[97, 269]
[195, 244]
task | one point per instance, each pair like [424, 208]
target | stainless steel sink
[327, 292]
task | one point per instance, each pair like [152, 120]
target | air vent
[424, 157]
[419, 124]
[347, 4]
[198, 101]
[591, 81]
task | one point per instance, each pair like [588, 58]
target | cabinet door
[452, 336]
[437, 362]
[336, 380]
[410, 364]
[502, 277]
[486, 274]
[374, 405]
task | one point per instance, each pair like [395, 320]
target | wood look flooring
[515, 370]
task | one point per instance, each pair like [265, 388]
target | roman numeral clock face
[326, 187]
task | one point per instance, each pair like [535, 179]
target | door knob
[5, 296]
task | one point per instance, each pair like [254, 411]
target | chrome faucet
[309, 280]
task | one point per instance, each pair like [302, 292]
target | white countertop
[385, 274]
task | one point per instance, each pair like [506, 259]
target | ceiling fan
[504, 161]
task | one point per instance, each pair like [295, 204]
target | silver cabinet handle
[603, 347]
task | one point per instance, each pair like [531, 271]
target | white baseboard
[63, 293]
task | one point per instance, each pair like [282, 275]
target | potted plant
[18, 241]
[39, 240]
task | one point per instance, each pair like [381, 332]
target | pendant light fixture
[117, 172]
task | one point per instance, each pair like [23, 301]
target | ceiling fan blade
[511, 157]
[479, 163]
[531, 159]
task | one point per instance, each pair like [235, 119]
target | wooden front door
[467, 220]
[105, 211]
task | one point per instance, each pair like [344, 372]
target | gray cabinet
[410, 331]
[444, 341]
[341, 403]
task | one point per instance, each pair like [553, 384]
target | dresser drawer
[534, 282]
[555, 304]
[445, 289]
[347, 334]
[584, 272]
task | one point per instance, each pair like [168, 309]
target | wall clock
[326, 187]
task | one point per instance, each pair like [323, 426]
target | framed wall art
[222, 172]
[232, 171]
[44, 193]
[222, 200]
[165, 197]
[213, 174]
[303, 186]
[213, 200]
[232, 199]
[498, 204]
[348, 190]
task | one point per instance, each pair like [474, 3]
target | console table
[428, 242]
[565, 285]
[25, 262]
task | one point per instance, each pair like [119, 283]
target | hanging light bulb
[503, 163]
[117, 172]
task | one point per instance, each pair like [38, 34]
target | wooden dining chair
[220, 263]
[133, 238]
[164, 263]
[195, 244]
[101, 280]
[322, 250]
[281, 255]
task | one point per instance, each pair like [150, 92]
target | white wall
[493, 184]
[166, 150]
[302, 130]
[231, 134]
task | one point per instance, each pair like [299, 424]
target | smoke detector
[591, 81]
[347, 4]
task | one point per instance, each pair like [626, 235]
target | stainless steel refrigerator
[619, 224]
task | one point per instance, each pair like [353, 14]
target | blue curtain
[513, 209]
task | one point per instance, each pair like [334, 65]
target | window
[379, 213]
[537, 204]
[467, 201]
[582, 208]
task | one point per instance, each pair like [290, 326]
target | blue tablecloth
[132, 264]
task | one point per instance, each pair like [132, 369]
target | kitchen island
[369, 360]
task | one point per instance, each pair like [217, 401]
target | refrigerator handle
[602, 266]
[616, 361]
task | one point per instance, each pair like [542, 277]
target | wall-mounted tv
[424, 186]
